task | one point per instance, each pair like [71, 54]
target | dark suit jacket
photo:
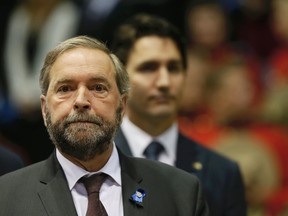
[9, 161]
[220, 177]
[42, 189]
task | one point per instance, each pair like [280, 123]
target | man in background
[9, 161]
[155, 57]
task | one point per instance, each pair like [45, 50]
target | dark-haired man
[154, 55]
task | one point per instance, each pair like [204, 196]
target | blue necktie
[153, 150]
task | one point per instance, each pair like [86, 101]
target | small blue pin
[138, 196]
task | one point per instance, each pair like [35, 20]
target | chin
[163, 113]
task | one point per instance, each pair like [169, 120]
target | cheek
[140, 86]
[177, 84]
[59, 110]
[138, 95]
[105, 108]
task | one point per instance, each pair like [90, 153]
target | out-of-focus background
[235, 100]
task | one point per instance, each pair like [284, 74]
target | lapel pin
[197, 166]
[137, 197]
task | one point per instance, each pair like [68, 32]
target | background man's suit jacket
[42, 189]
[220, 177]
[9, 161]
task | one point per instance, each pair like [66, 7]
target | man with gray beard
[84, 92]
[64, 135]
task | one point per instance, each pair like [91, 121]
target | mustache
[83, 118]
[164, 95]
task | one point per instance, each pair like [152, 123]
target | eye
[99, 88]
[175, 67]
[64, 89]
[148, 67]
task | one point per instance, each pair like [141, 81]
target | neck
[93, 165]
[154, 126]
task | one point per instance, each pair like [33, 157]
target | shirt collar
[138, 139]
[73, 172]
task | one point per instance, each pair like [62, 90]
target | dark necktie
[153, 150]
[93, 185]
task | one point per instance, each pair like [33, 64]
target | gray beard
[79, 139]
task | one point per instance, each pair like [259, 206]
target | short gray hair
[122, 79]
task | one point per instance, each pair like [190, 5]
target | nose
[82, 101]
[163, 79]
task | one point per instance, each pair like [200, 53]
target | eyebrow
[155, 61]
[93, 79]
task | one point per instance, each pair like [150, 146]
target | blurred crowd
[235, 99]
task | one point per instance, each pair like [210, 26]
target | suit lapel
[189, 156]
[122, 143]
[131, 181]
[54, 193]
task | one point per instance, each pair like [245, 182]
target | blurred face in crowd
[279, 19]
[207, 26]
[156, 77]
[234, 94]
[83, 106]
[197, 71]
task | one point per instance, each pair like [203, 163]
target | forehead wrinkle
[83, 58]
[100, 78]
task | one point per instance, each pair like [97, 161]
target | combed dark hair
[142, 25]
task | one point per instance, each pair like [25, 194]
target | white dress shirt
[110, 192]
[138, 141]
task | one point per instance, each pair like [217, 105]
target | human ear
[123, 104]
[43, 108]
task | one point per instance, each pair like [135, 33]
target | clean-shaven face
[82, 108]
[156, 76]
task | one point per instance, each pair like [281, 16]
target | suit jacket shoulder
[9, 161]
[205, 157]
[221, 177]
[38, 189]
